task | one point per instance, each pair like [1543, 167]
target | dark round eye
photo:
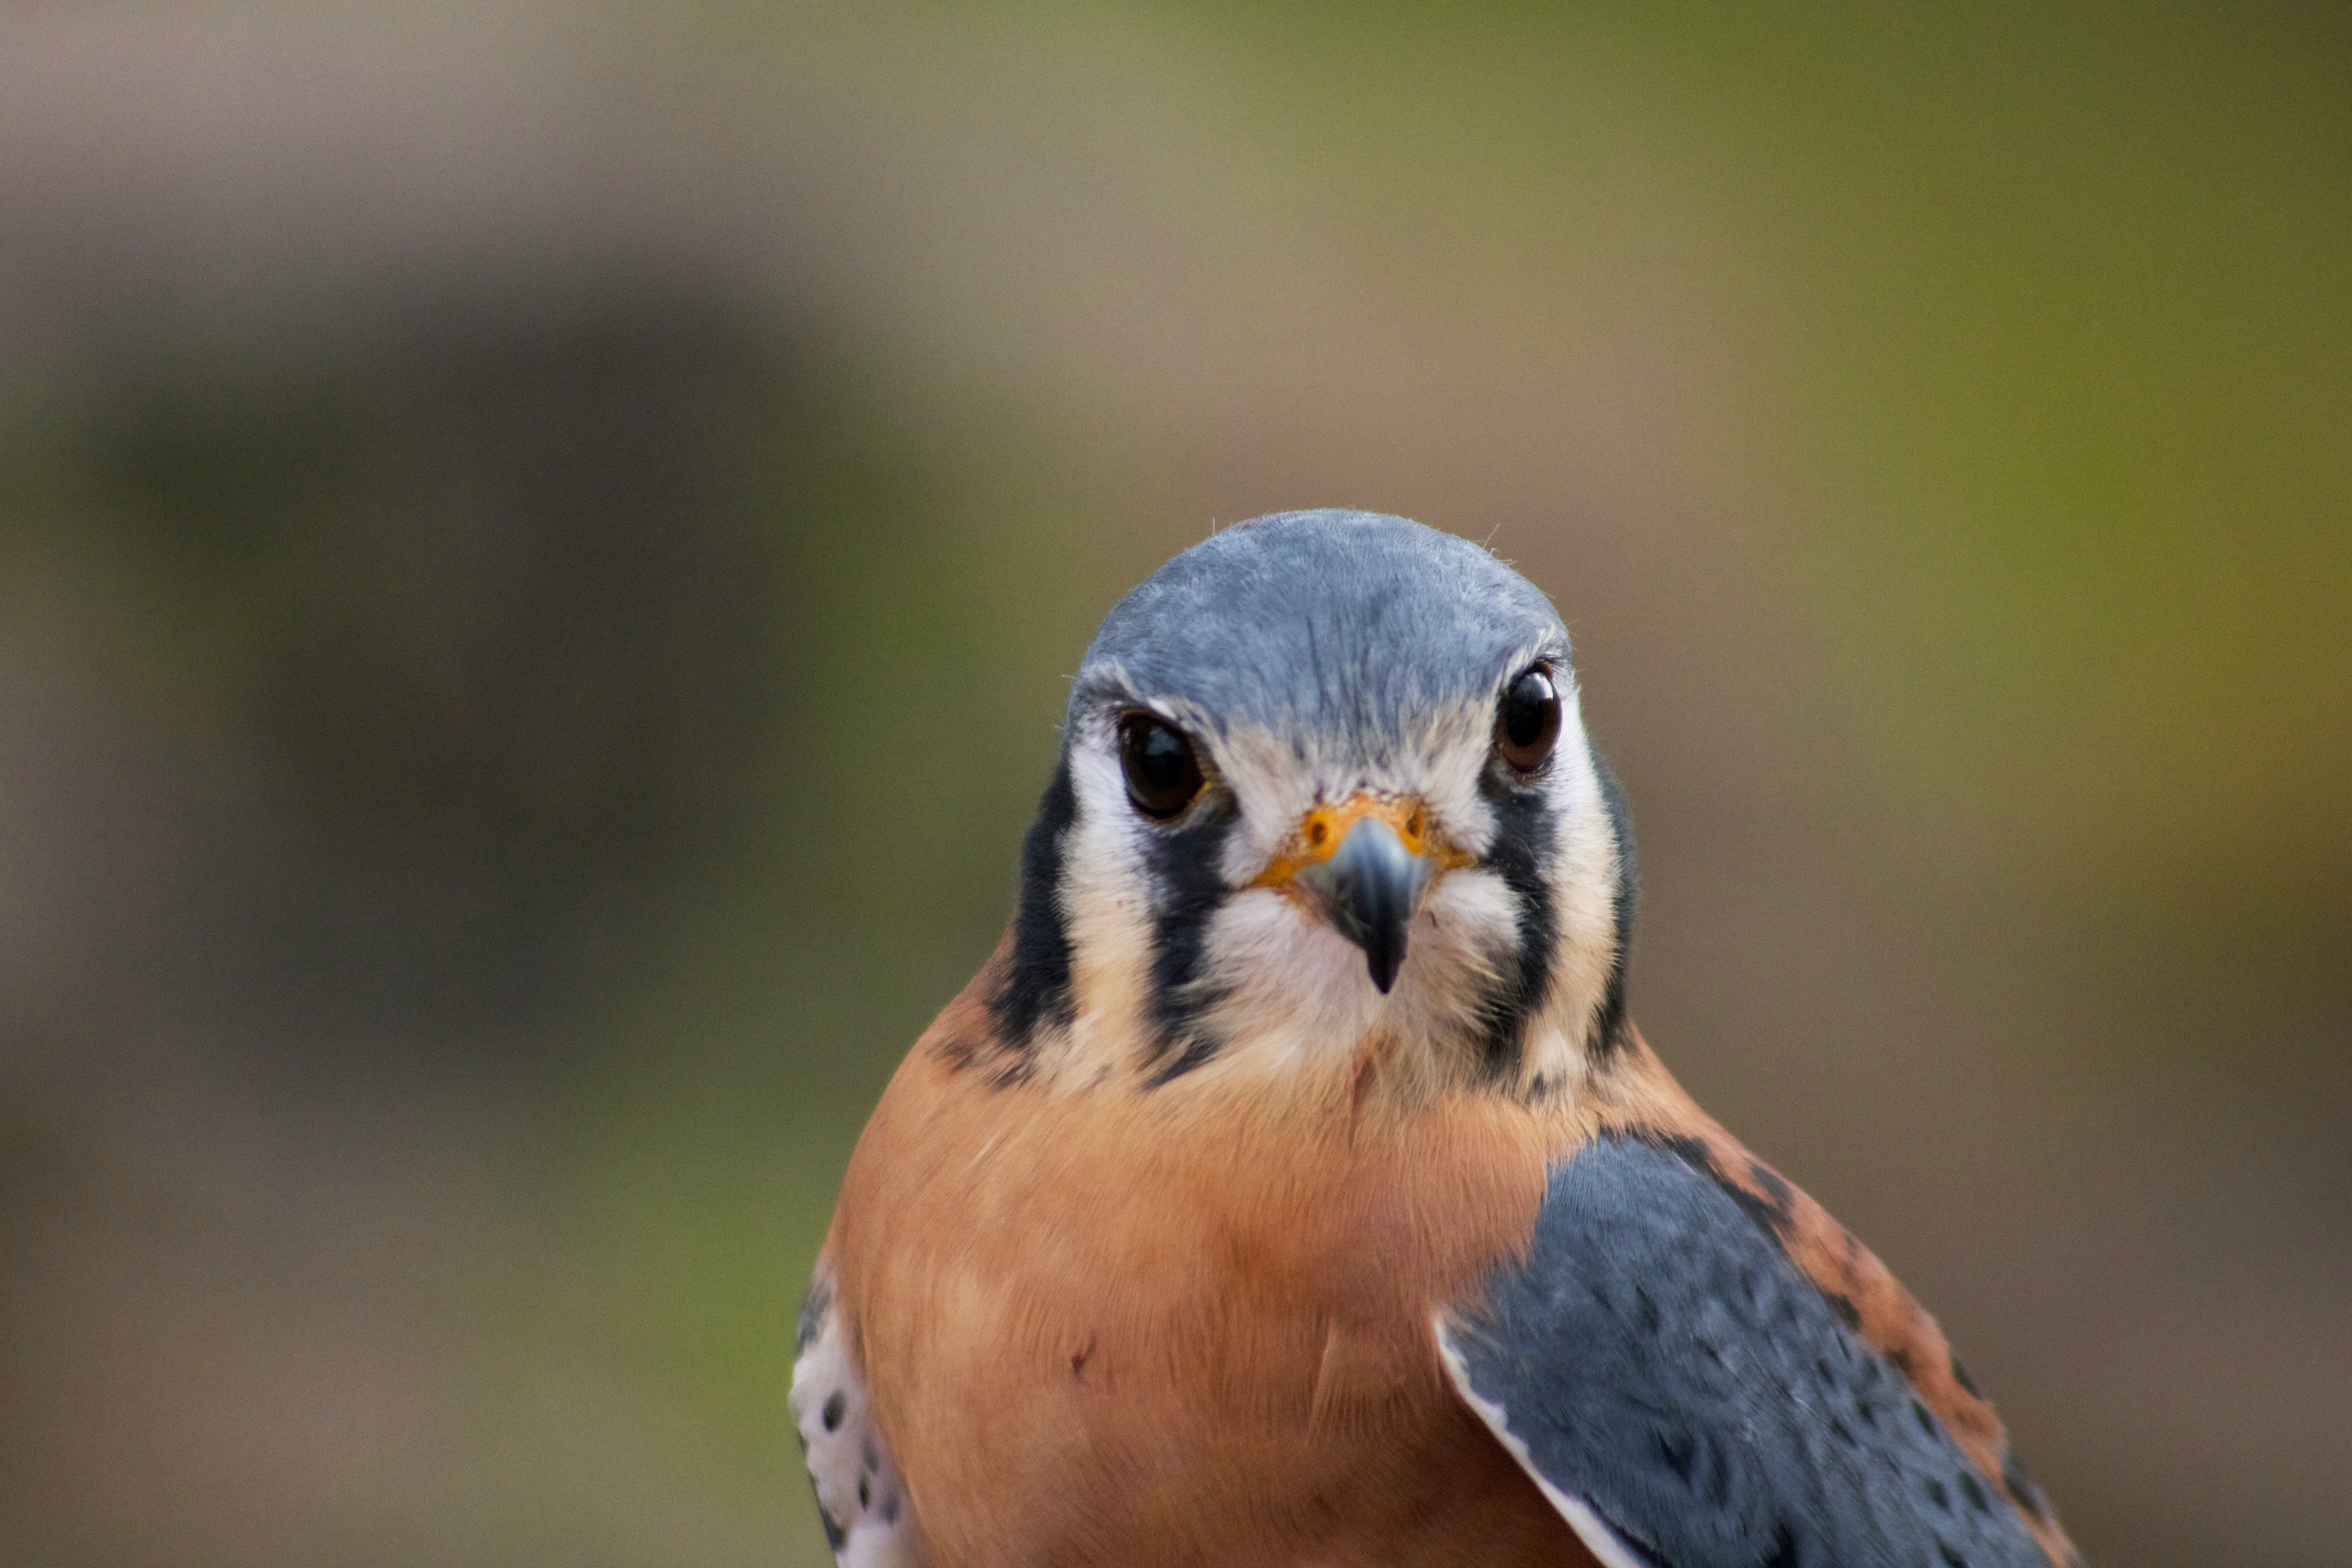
[1163, 774]
[1528, 721]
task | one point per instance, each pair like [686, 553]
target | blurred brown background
[539, 547]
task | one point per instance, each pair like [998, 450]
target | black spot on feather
[956, 1050]
[1692, 1152]
[2020, 1485]
[1767, 1220]
[814, 1307]
[1771, 1215]
[1779, 1195]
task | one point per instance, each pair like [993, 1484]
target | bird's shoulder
[1694, 1353]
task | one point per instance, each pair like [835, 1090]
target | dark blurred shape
[492, 600]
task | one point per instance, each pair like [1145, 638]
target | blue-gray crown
[1341, 622]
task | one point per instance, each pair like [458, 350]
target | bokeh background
[540, 547]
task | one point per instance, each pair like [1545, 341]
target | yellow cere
[1321, 832]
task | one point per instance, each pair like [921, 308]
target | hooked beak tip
[1370, 889]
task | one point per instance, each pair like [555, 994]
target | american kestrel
[1291, 1185]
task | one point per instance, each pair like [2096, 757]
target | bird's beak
[1363, 865]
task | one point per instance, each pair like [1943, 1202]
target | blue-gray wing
[1687, 1399]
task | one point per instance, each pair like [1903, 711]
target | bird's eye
[1163, 774]
[1528, 721]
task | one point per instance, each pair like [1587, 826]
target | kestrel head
[1323, 784]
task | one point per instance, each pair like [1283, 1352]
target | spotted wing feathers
[860, 1496]
[1687, 1397]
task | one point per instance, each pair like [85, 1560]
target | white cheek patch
[1107, 909]
[1583, 878]
[866, 1516]
[1468, 931]
[1290, 987]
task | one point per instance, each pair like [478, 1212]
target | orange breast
[1187, 1326]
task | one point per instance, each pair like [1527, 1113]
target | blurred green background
[540, 547]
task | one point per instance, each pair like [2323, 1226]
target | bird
[1291, 1185]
